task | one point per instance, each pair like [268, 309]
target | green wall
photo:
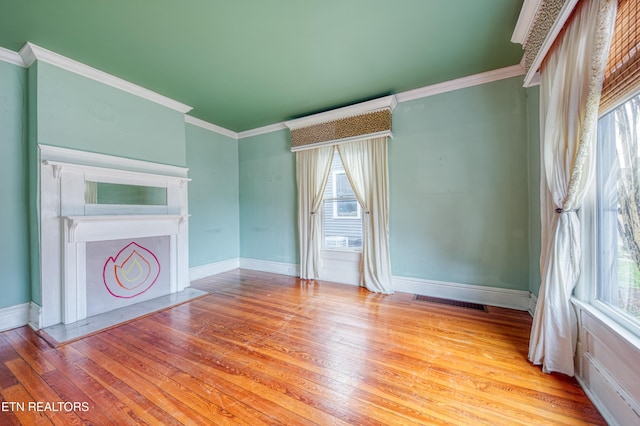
[459, 199]
[463, 176]
[14, 212]
[458, 187]
[72, 111]
[214, 226]
[79, 113]
[533, 125]
[268, 201]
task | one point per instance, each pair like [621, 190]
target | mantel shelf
[109, 227]
[127, 217]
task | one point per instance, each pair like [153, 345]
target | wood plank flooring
[266, 349]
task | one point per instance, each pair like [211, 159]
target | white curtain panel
[365, 163]
[312, 173]
[570, 87]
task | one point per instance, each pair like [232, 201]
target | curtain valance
[360, 126]
[355, 122]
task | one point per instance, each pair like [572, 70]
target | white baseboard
[14, 316]
[35, 316]
[290, 269]
[533, 301]
[203, 271]
[494, 296]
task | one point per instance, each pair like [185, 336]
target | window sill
[614, 327]
[340, 253]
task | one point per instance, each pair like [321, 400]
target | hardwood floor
[270, 349]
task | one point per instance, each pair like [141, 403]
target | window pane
[343, 188]
[347, 208]
[341, 213]
[619, 209]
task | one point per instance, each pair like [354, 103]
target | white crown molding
[461, 83]
[262, 130]
[563, 16]
[31, 52]
[209, 126]
[410, 95]
[387, 102]
[11, 57]
[525, 20]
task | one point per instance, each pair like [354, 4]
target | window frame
[587, 288]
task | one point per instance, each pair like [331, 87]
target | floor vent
[450, 302]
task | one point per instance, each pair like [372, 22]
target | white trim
[340, 266]
[35, 316]
[597, 402]
[82, 229]
[54, 154]
[66, 222]
[461, 83]
[209, 269]
[209, 126]
[410, 95]
[388, 102]
[14, 316]
[525, 20]
[494, 296]
[533, 302]
[262, 130]
[11, 57]
[384, 133]
[607, 355]
[557, 26]
[142, 178]
[281, 268]
[31, 52]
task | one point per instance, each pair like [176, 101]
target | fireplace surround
[98, 253]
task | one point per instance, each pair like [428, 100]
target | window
[618, 207]
[344, 200]
[342, 214]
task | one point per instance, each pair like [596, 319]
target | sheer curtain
[365, 163]
[312, 173]
[570, 87]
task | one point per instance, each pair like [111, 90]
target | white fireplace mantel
[80, 229]
[68, 223]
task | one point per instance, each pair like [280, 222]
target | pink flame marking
[113, 259]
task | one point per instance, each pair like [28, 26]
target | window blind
[622, 72]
